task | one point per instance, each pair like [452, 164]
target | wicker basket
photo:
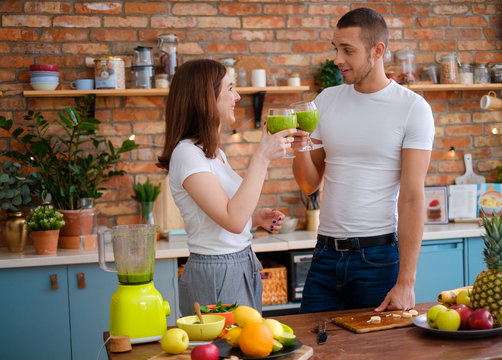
[275, 285]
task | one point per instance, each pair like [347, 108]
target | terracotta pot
[14, 231]
[77, 222]
[45, 242]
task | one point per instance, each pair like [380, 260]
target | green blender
[137, 308]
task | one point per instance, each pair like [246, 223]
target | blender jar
[167, 44]
[142, 56]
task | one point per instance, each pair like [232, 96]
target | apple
[448, 320]
[464, 311]
[464, 297]
[205, 352]
[174, 341]
[432, 314]
[481, 319]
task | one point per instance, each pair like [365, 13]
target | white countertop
[177, 247]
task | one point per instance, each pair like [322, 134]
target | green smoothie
[308, 120]
[276, 123]
[131, 279]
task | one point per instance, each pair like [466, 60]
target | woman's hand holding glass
[280, 119]
[307, 116]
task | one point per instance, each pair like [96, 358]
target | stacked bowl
[44, 76]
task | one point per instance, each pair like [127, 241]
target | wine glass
[279, 119]
[307, 116]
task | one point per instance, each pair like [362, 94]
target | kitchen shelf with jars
[453, 87]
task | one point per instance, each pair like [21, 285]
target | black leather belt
[354, 243]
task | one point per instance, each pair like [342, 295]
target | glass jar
[229, 65]
[167, 49]
[161, 81]
[294, 80]
[242, 77]
[496, 73]
[430, 74]
[465, 74]
[449, 69]
[406, 60]
[481, 74]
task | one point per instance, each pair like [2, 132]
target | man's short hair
[373, 26]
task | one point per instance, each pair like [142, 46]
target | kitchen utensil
[469, 177]
[360, 323]
[137, 308]
[196, 306]
[207, 331]
[490, 102]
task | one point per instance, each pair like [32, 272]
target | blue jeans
[350, 279]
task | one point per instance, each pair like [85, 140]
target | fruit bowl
[44, 85]
[229, 315]
[213, 324]
[289, 225]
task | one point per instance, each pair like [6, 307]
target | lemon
[274, 326]
[244, 315]
[277, 346]
[233, 336]
[287, 339]
[286, 329]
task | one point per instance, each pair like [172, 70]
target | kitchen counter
[399, 343]
[177, 247]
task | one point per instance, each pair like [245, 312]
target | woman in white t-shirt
[217, 205]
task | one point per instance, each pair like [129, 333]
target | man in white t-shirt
[377, 138]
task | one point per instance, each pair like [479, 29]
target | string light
[236, 136]
[495, 131]
[452, 152]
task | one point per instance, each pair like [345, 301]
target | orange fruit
[256, 340]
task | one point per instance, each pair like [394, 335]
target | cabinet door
[34, 317]
[475, 263]
[89, 308]
[440, 267]
[165, 278]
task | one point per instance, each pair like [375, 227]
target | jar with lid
[294, 80]
[229, 63]
[242, 77]
[449, 69]
[496, 73]
[481, 74]
[430, 74]
[406, 60]
[167, 44]
[161, 81]
[465, 74]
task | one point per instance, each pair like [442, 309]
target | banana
[450, 296]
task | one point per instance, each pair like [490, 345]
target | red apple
[465, 312]
[481, 319]
[205, 352]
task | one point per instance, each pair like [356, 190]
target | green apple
[174, 341]
[432, 314]
[286, 328]
[464, 297]
[274, 326]
[448, 320]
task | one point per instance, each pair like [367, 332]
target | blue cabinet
[474, 258]
[440, 267]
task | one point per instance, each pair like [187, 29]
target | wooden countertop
[400, 343]
[177, 247]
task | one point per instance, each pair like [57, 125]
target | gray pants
[227, 278]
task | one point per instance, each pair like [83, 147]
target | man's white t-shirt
[363, 136]
[204, 235]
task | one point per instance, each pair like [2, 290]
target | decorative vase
[69, 236]
[87, 222]
[312, 220]
[45, 242]
[147, 213]
[14, 231]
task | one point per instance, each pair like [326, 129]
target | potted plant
[44, 224]
[329, 75]
[73, 160]
[16, 197]
[146, 194]
[312, 206]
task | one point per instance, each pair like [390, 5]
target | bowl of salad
[225, 310]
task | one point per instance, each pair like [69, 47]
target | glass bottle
[465, 74]
[147, 212]
[229, 65]
[481, 74]
[449, 69]
[406, 60]
[167, 44]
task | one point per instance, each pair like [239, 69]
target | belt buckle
[335, 240]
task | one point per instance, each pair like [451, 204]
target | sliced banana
[406, 315]
[413, 312]
[375, 319]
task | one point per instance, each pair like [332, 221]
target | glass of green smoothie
[281, 119]
[307, 116]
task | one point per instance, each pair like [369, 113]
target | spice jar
[229, 65]
[294, 80]
[449, 69]
[481, 75]
[496, 73]
[465, 74]
[161, 81]
[430, 74]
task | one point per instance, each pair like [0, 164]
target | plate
[227, 350]
[421, 322]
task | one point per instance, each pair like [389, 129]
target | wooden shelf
[156, 92]
[454, 87]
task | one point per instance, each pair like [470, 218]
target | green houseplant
[329, 75]
[146, 194]
[44, 224]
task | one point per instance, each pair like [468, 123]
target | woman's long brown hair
[191, 111]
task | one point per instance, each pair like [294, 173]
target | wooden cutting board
[303, 353]
[360, 323]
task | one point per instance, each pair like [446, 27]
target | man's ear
[379, 50]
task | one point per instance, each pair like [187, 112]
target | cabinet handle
[54, 282]
[81, 280]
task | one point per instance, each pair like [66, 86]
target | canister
[161, 81]
[229, 65]
[449, 69]
[142, 76]
[109, 73]
[481, 74]
[465, 74]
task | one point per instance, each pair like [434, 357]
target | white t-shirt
[204, 235]
[363, 136]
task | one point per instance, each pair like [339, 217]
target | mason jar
[449, 69]
[465, 74]
[481, 74]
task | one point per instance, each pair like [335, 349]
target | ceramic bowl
[44, 85]
[212, 327]
[43, 67]
[229, 315]
[34, 74]
[44, 79]
[289, 225]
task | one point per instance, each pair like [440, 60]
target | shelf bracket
[258, 99]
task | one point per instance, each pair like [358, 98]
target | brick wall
[281, 36]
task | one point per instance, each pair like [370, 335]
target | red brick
[125, 21]
[267, 201]
[77, 21]
[451, 166]
[18, 35]
[7, 76]
[457, 142]
[464, 33]
[238, 162]
[488, 57]
[13, 61]
[151, 127]
[464, 21]
[437, 45]
[147, 8]
[279, 187]
[193, 48]
[486, 9]
[270, 47]
[291, 60]
[86, 48]
[452, 118]
[10, 6]
[299, 35]
[173, 22]
[307, 22]
[475, 45]
[222, 48]
[138, 167]
[219, 22]
[116, 208]
[487, 117]
[327, 9]
[397, 22]
[463, 130]
[435, 21]
[412, 10]
[266, 22]
[53, 35]
[284, 9]
[213, 35]
[423, 34]
[56, 7]
[34, 48]
[249, 35]
[101, 7]
[380, 8]
[493, 140]
[33, 21]
[145, 101]
[280, 173]
[239, 9]
[492, 34]
[193, 9]
[111, 130]
[133, 115]
[60, 61]
[112, 35]
[450, 9]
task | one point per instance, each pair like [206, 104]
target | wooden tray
[360, 323]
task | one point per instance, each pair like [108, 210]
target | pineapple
[487, 288]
